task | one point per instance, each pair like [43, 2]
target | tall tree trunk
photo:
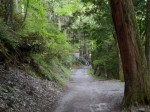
[22, 9]
[133, 61]
[120, 70]
[80, 44]
[11, 13]
[26, 12]
[147, 44]
[16, 5]
[51, 13]
[121, 77]
[59, 22]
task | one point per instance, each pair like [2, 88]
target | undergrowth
[91, 72]
[45, 51]
[53, 69]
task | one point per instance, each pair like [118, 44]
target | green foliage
[6, 35]
[67, 7]
[55, 50]
[91, 72]
[37, 42]
[83, 60]
[8, 42]
[52, 68]
[106, 57]
[141, 18]
[94, 20]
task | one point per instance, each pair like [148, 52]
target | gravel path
[85, 94]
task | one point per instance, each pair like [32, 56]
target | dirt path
[85, 94]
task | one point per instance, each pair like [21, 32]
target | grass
[91, 73]
[52, 70]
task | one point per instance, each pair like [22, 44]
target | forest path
[85, 94]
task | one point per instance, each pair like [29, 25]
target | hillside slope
[21, 92]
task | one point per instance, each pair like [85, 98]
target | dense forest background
[42, 36]
[56, 29]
